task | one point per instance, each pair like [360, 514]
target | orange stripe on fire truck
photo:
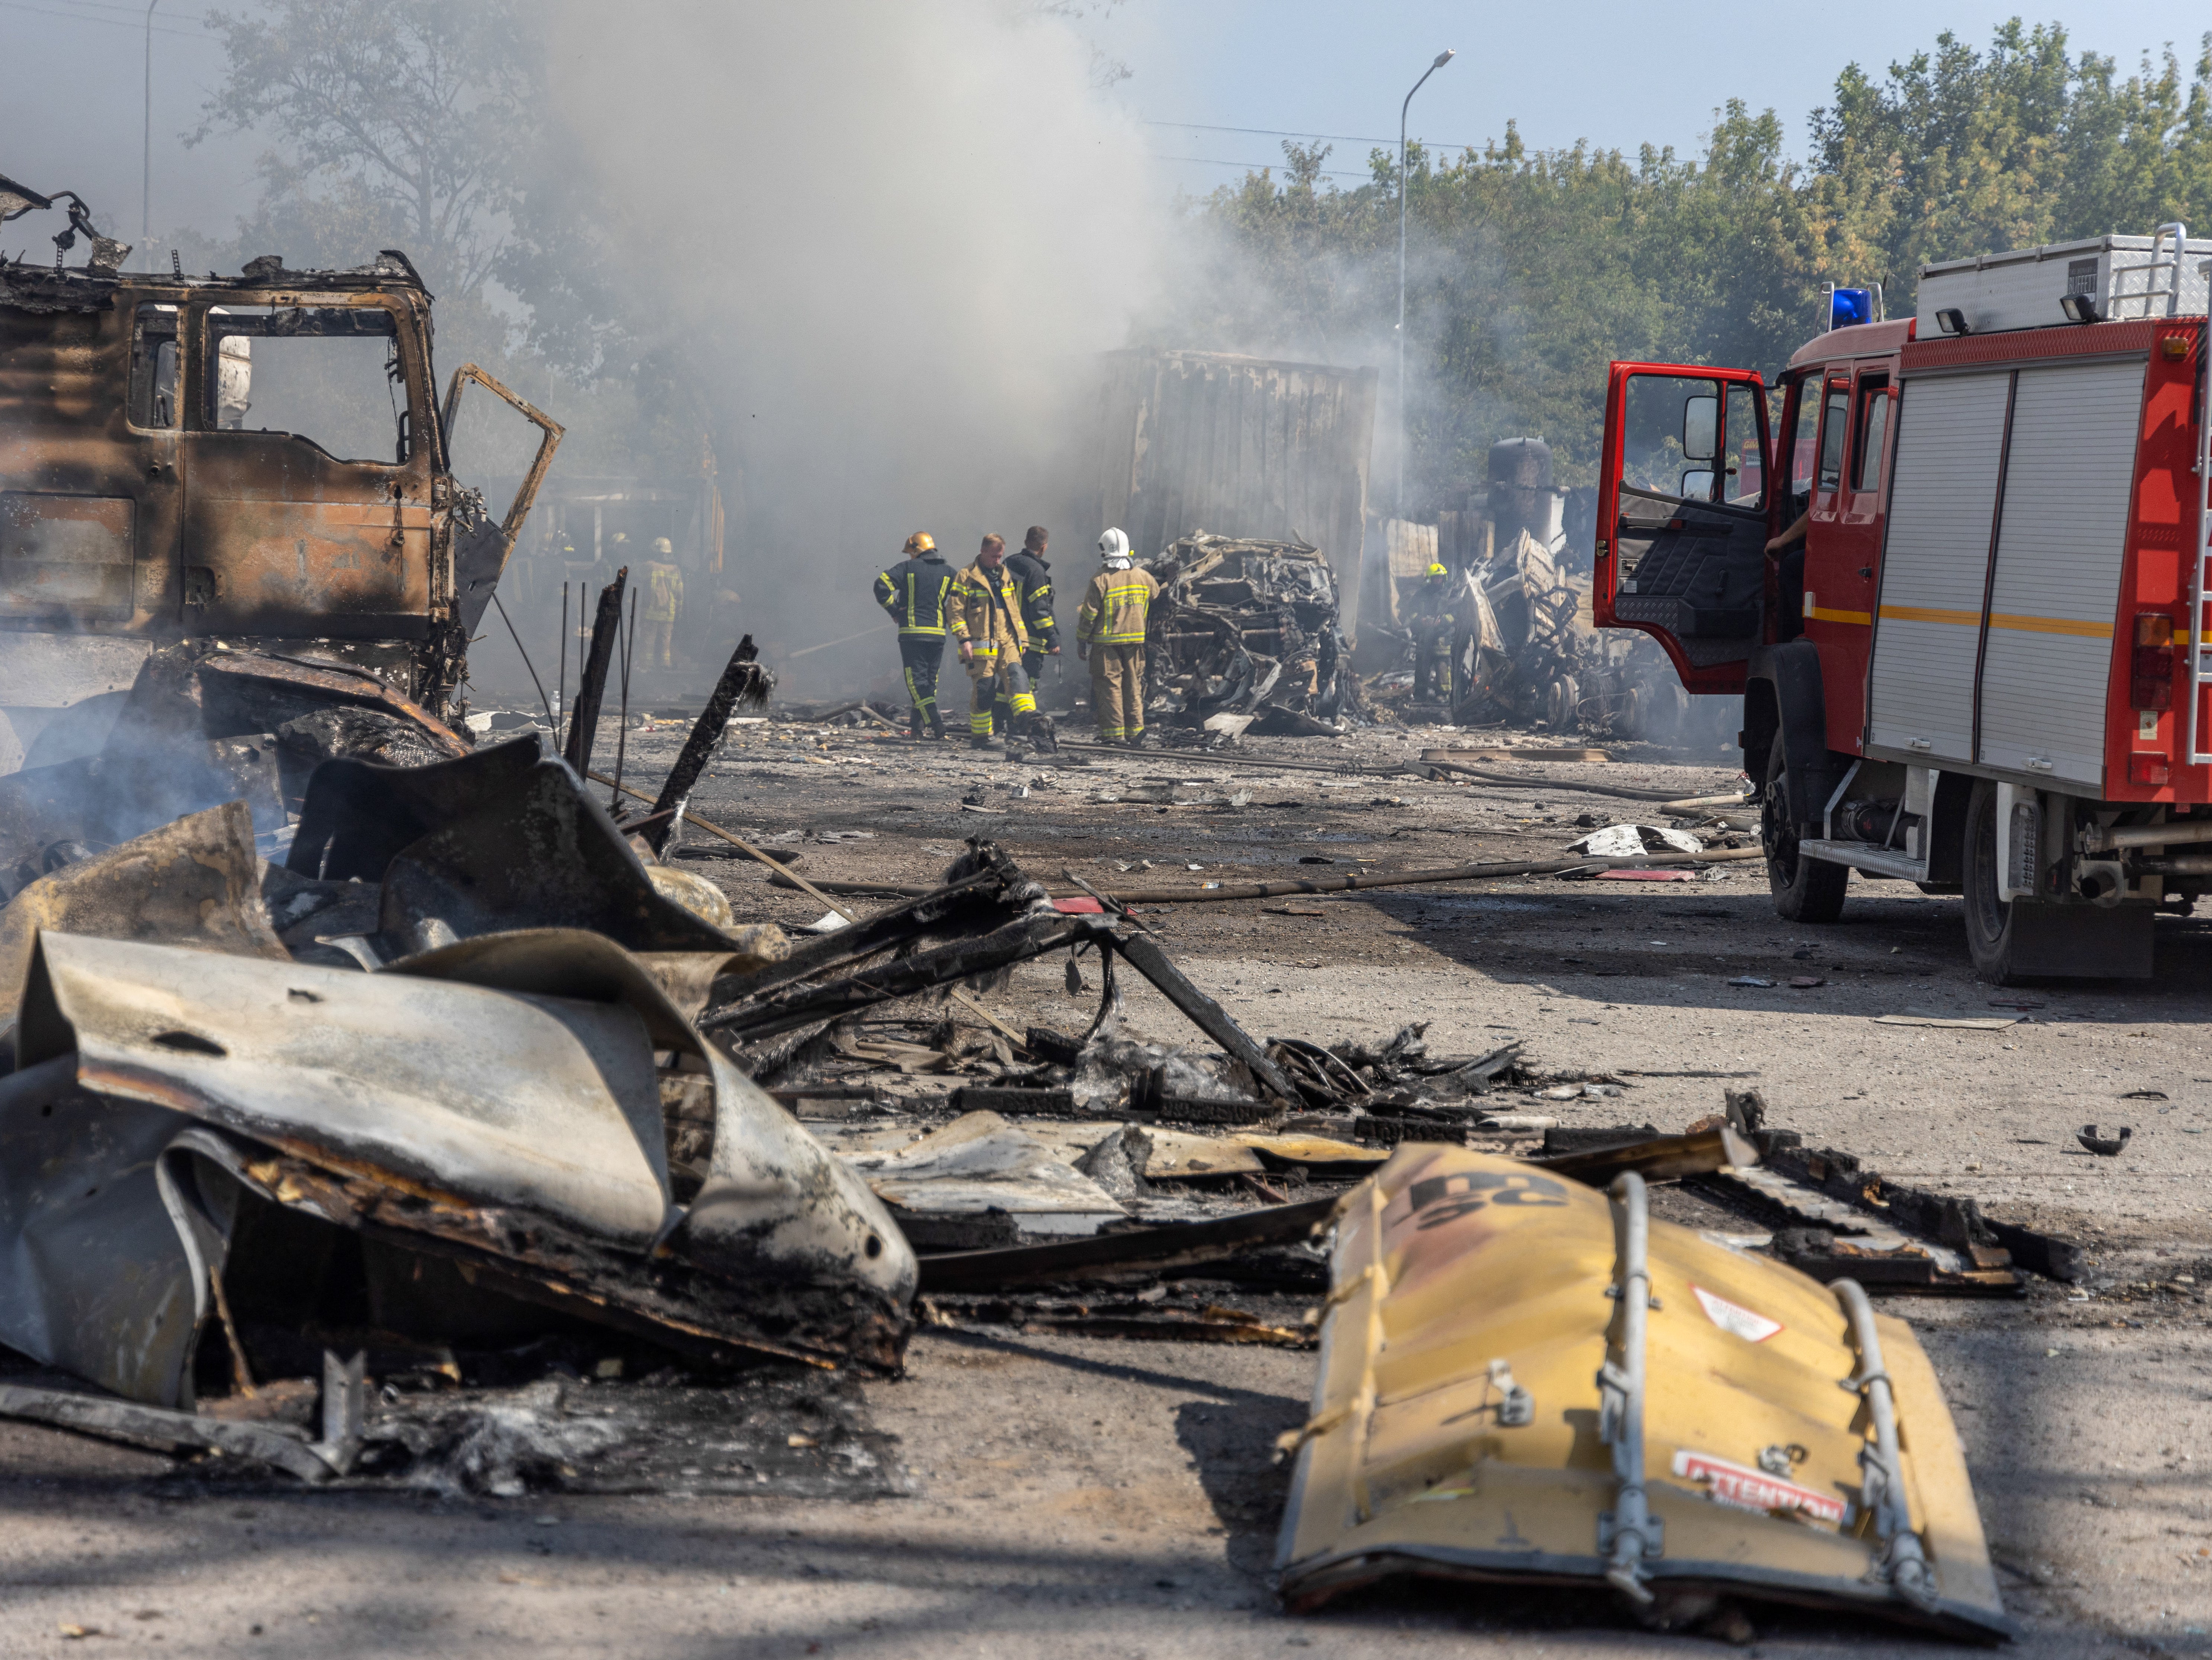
[2017, 623]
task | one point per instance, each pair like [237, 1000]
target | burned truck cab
[258, 458]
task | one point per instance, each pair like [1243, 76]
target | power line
[134, 13]
[1251, 166]
[1342, 137]
[112, 22]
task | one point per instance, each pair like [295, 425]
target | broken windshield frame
[330, 393]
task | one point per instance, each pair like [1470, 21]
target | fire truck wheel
[1989, 919]
[1805, 890]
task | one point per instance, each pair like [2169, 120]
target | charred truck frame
[138, 506]
[1987, 674]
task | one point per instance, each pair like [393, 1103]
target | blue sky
[1616, 74]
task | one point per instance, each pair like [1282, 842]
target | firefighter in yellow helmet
[1109, 634]
[916, 592]
[1435, 624]
[987, 624]
[663, 604]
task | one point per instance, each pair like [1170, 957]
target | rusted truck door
[88, 504]
[308, 501]
[1682, 524]
[481, 550]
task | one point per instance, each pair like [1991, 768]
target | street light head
[1444, 57]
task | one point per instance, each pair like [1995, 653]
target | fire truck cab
[1983, 668]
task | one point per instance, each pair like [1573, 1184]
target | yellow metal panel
[1461, 1278]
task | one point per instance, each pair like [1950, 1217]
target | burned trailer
[260, 458]
[1251, 630]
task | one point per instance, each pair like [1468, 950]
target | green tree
[398, 119]
[1529, 270]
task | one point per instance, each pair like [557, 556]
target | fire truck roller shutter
[1950, 447]
[2060, 544]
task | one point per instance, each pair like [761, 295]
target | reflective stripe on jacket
[1117, 607]
[664, 592]
[985, 611]
[913, 591]
[1033, 582]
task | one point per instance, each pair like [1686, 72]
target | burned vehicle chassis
[139, 509]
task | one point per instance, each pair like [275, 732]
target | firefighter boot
[1043, 739]
[936, 732]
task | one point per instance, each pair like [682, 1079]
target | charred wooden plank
[743, 680]
[592, 690]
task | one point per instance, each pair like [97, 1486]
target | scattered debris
[2104, 1146]
[1633, 840]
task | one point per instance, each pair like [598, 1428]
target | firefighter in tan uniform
[1109, 634]
[986, 620]
[663, 604]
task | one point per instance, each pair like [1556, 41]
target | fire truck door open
[2008, 528]
[1682, 524]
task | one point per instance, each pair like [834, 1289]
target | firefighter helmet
[1439, 570]
[920, 542]
[1114, 545]
[661, 544]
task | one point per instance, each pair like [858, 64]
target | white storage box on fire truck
[2022, 289]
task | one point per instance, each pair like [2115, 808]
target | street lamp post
[146, 158]
[1442, 58]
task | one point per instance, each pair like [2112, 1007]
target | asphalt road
[1088, 1498]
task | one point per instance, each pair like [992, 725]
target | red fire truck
[1960, 592]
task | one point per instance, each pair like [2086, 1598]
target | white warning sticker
[1734, 1318]
[1749, 1489]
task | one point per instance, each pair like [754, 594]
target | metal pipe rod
[1628, 1534]
[146, 158]
[2174, 833]
[1292, 890]
[1398, 505]
[1904, 1564]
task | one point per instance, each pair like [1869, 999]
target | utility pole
[1442, 58]
[145, 165]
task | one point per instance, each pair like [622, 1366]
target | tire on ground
[1805, 890]
[1987, 918]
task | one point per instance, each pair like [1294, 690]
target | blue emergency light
[1849, 305]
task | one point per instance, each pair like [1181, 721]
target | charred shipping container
[1248, 449]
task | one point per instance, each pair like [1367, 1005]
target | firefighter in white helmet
[1109, 634]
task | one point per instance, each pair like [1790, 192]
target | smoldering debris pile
[470, 1147]
[426, 1083]
[1246, 635]
[1515, 631]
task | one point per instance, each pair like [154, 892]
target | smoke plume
[892, 236]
